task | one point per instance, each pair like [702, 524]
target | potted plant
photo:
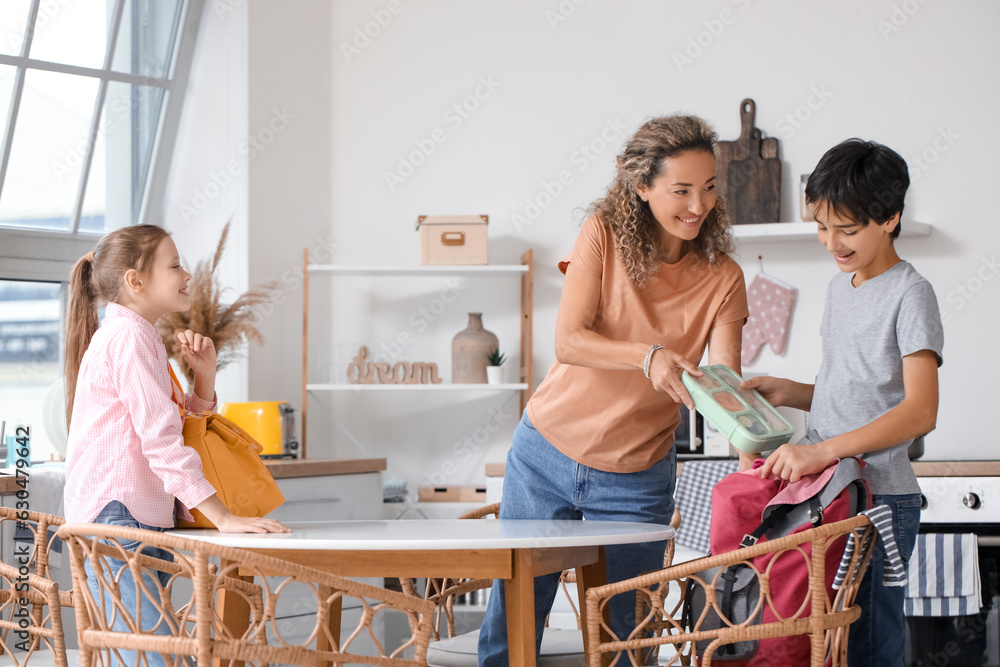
[494, 372]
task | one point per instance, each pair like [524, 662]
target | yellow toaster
[271, 423]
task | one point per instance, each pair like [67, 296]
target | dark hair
[97, 278]
[863, 181]
[637, 234]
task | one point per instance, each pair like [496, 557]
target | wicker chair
[185, 598]
[559, 646]
[39, 602]
[825, 621]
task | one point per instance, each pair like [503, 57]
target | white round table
[513, 550]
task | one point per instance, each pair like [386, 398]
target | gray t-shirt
[866, 332]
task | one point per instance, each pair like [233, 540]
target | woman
[648, 285]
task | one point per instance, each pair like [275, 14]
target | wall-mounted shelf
[802, 231]
[419, 387]
[383, 270]
[524, 270]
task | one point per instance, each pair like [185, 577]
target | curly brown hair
[637, 233]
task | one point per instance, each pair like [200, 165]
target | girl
[127, 464]
[648, 285]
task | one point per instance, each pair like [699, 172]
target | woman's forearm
[584, 347]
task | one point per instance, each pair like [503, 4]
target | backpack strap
[815, 511]
[729, 576]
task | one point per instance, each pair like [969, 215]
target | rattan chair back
[30, 601]
[825, 620]
[190, 611]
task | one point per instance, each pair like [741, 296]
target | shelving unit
[525, 270]
[801, 231]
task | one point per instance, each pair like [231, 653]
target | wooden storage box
[453, 239]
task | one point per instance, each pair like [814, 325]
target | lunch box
[742, 415]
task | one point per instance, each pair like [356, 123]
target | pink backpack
[747, 509]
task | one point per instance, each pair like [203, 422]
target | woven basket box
[453, 239]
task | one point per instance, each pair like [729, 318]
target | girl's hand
[227, 522]
[242, 524]
[774, 390]
[665, 368]
[198, 352]
[793, 462]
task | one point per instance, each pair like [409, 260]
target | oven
[961, 505]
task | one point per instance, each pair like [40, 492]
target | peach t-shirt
[613, 420]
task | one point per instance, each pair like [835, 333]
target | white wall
[208, 177]
[557, 86]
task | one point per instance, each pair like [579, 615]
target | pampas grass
[229, 326]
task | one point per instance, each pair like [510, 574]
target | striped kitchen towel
[944, 576]
[893, 572]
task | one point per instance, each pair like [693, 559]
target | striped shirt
[125, 439]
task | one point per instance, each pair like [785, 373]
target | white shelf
[801, 231]
[389, 270]
[417, 387]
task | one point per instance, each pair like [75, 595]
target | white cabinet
[330, 498]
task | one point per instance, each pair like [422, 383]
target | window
[90, 99]
[30, 335]
[84, 95]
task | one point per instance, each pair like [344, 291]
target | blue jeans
[542, 483]
[877, 638]
[116, 514]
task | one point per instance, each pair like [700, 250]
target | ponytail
[81, 324]
[97, 277]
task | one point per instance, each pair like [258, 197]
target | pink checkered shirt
[125, 439]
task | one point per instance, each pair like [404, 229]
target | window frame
[49, 255]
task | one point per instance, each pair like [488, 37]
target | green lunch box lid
[741, 415]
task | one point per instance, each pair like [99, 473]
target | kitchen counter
[289, 468]
[921, 468]
[279, 469]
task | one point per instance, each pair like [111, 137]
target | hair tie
[89, 257]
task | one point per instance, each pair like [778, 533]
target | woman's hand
[665, 368]
[199, 353]
[793, 462]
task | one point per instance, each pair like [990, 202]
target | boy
[877, 387]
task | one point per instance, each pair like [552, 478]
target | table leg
[520, 593]
[323, 642]
[595, 574]
[234, 612]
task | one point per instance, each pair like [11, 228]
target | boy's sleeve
[918, 326]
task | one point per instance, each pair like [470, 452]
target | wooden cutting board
[748, 172]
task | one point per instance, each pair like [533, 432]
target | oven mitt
[771, 302]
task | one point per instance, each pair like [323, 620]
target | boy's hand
[793, 462]
[774, 390]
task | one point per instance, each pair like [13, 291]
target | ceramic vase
[469, 351]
